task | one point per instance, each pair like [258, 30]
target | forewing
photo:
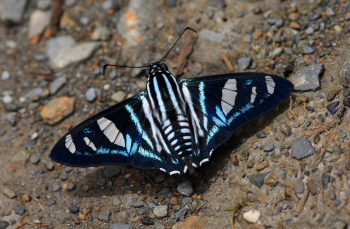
[224, 103]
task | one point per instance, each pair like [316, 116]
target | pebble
[341, 112]
[116, 201]
[212, 36]
[332, 195]
[280, 172]
[2, 131]
[118, 96]
[101, 182]
[276, 52]
[38, 22]
[307, 79]
[146, 221]
[285, 129]
[35, 94]
[85, 188]
[63, 51]
[40, 56]
[299, 187]
[138, 204]
[11, 119]
[49, 165]
[262, 165]
[101, 33]
[11, 13]
[7, 99]
[325, 179]
[182, 212]
[50, 202]
[121, 225]
[160, 177]
[333, 107]
[261, 135]
[185, 188]
[56, 187]
[92, 94]
[57, 109]
[244, 63]
[113, 74]
[57, 84]
[34, 159]
[258, 179]
[314, 186]
[9, 193]
[104, 216]
[346, 102]
[111, 170]
[161, 211]
[269, 147]
[217, 3]
[64, 177]
[5, 75]
[186, 200]
[74, 209]
[302, 148]
[252, 216]
[4, 224]
[71, 187]
[19, 209]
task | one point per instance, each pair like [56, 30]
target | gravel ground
[288, 169]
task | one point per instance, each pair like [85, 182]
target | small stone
[49, 165]
[138, 204]
[341, 112]
[121, 225]
[4, 224]
[333, 107]
[5, 75]
[11, 118]
[307, 79]
[286, 130]
[50, 202]
[161, 211]
[325, 179]
[258, 179]
[244, 63]
[57, 109]
[40, 56]
[185, 188]
[101, 182]
[276, 52]
[302, 148]
[314, 186]
[116, 201]
[64, 177]
[92, 94]
[262, 165]
[261, 135]
[2, 131]
[299, 187]
[85, 188]
[111, 170]
[104, 216]
[118, 96]
[9, 193]
[57, 84]
[74, 209]
[269, 147]
[7, 99]
[339, 225]
[160, 177]
[280, 172]
[56, 187]
[252, 216]
[101, 33]
[71, 187]
[217, 3]
[182, 212]
[19, 209]
[212, 36]
[332, 195]
[34, 159]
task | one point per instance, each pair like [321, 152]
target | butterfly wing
[221, 104]
[120, 134]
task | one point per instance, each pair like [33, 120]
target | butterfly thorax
[168, 110]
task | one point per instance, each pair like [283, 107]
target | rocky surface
[291, 166]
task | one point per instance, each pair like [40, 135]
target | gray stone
[111, 171]
[57, 84]
[71, 187]
[280, 172]
[118, 96]
[116, 201]
[325, 179]
[85, 188]
[186, 200]
[212, 36]
[19, 209]
[104, 216]
[50, 202]
[261, 135]
[92, 94]
[307, 79]
[64, 177]
[43, 4]
[138, 204]
[2, 131]
[63, 51]
[244, 63]
[302, 148]
[5, 75]
[35, 94]
[38, 22]
[101, 33]
[12, 12]
[217, 3]
[309, 30]
[333, 107]
[269, 147]
[11, 118]
[276, 52]
[113, 74]
[4, 224]
[49, 165]
[40, 56]
[299, 187]
[332, 195]
[121, 226]
[339, 225]
[161, 211]
[182, 212]
[258, 179]
[101, 182]
[74, 209]
[56, 187]
[34, 159]
[185, 188]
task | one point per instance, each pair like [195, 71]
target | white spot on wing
[111, 132]
[185, 169]
[162, 169]
[174, 172]
[103, 123]
[203, 161]
[194, 165]
[253, 95]
[210, 153]
[229, 95]
[120, 140]
[90, 143]
[270, 84]
[70, 144]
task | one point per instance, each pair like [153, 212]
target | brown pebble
[76, 220]
[314, 186]
[174, 200]
[26, 197]
[57, 109]
[9, 193]
[294, 16]
[262, 165]
[294, 25]
[257, 34]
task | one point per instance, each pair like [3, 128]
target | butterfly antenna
[120, 66]
[187, 28]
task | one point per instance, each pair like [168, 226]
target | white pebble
[7, 99]
[252, 216]
[5, 75]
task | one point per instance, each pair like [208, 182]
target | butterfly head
[156, 68]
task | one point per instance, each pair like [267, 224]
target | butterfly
[174, 125]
